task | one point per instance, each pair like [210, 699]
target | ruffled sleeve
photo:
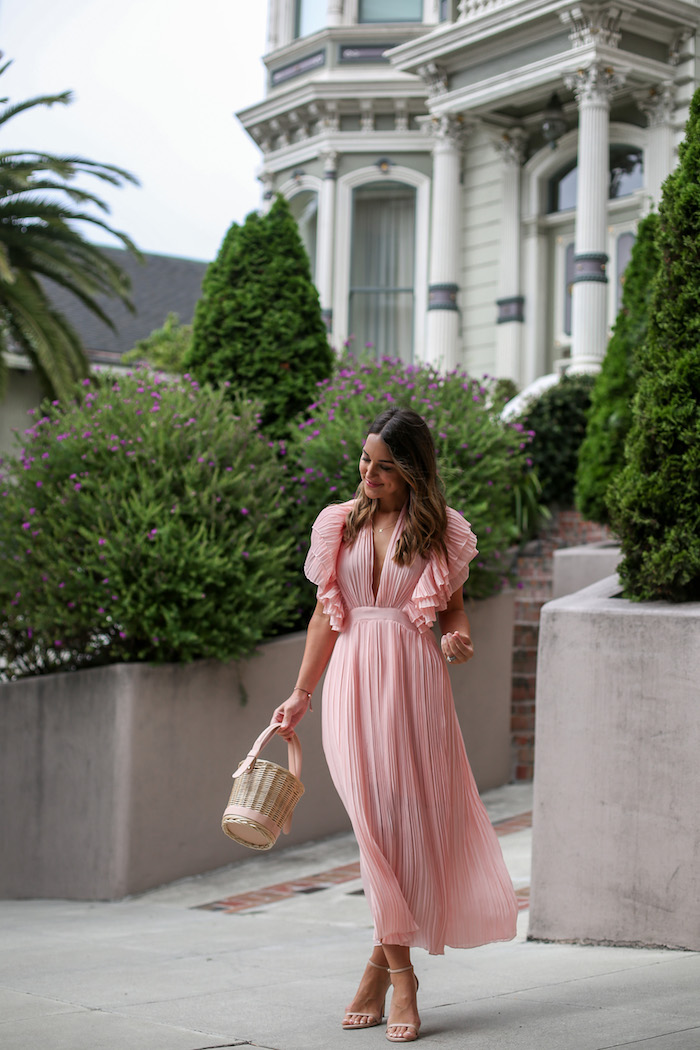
[440, 579]
[320, 564]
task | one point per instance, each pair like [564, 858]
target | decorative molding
[400, 115]
[297, 69]
[511, 146]
[677, 49]
[593, 24]
[351, 53]
[590, 266]
[366, 115]
[658, 104]
[595, 84]
[442, 297]
[511, 309]
[435, 77]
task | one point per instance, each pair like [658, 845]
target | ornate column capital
[658, 103]
[446, 130]
[330, 163]
[511, 146]
[595, 84]
[594, 24]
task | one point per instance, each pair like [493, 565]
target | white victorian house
[468, 176]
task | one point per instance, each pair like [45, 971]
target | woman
[386, 564]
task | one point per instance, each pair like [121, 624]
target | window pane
[391, 11]
[381, 269]
[311, 16]
[626, 171]
[304, 208]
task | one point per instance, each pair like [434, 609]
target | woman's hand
[457, 647]
[291, 712]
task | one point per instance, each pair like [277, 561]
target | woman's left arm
[456, 643]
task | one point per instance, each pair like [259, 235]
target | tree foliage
[165, 348]
[655, 503]
[40, 205]
[602, 454]
[258, 324]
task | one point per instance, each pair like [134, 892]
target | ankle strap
[403, 970]
[378, 967]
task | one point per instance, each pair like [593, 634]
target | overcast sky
[156, 86]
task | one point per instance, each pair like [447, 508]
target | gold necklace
[389, 524]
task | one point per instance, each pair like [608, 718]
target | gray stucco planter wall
[616, 824]
[113, 780]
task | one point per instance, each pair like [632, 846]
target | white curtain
[382, 270]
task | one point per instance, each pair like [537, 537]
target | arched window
[626, 168]
[304, 208]
[381, 302]
[310, 17]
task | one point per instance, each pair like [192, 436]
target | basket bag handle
[293, 758]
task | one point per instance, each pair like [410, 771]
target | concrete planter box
[616, 826]
[114, 779]
[578, 567]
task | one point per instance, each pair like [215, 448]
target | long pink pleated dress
[432, 868]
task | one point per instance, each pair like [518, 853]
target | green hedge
[602, 453]
[655, 503]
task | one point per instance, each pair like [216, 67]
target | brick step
[527, 609]
[537, 565]
[523, 687]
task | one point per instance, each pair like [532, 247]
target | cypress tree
[602, 453]
[655, 504]
[258, 324]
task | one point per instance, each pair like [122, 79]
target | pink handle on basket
[293, 752]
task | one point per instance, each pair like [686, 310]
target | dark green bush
[144, 521]
[602, 453]
[258, 324]
[483, 462]
[655, 503]
[558, 419]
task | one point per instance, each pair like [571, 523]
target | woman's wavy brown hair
[408, 438]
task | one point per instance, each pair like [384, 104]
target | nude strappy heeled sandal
[374, 1020]
[410, 1038]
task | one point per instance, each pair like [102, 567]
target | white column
[334, 13]
[510, 302]
[592, 88]
[268, 186]
[446, 221]
[326, 237]
[658, 105]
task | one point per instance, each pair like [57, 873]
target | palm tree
[39, 242]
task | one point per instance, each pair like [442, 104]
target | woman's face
[380, 476]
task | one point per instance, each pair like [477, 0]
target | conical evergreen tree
[602, 453]
[655, 505]
[258, 324]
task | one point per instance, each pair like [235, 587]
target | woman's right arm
[320, 640]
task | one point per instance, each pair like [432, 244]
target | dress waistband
[379, 612]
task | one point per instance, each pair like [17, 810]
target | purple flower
[101, 541]
[244, 510]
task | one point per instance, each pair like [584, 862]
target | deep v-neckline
[390, 548]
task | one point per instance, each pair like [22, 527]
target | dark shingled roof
[161, 284]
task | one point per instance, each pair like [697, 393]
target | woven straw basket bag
[264, 795]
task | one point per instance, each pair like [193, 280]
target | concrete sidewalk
[180, 968]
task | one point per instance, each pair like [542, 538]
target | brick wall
[535, 563]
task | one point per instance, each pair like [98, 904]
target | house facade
[468, 176]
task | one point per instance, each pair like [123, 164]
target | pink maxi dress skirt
[432, 867]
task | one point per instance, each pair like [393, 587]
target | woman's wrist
[307, 694]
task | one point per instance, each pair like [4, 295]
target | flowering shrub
[483, 462]
[140, 522]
